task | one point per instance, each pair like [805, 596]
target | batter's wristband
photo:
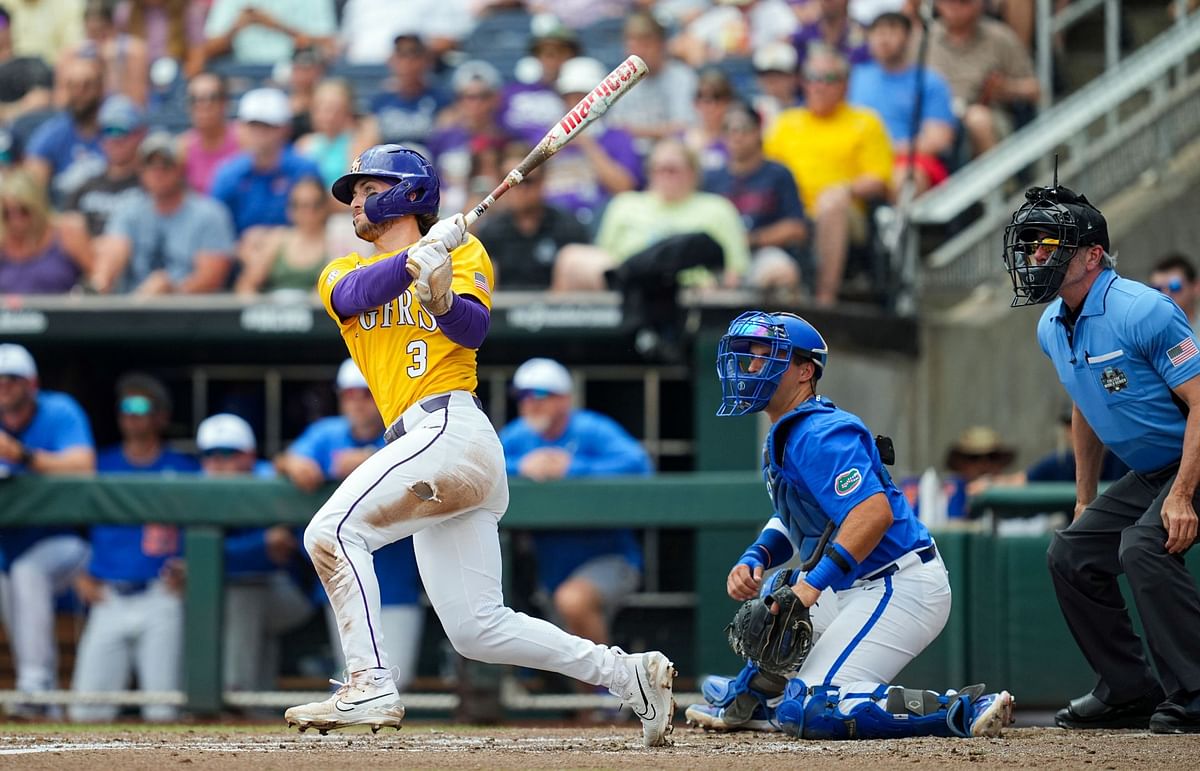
[837, 563]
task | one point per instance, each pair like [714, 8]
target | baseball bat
[606, 93]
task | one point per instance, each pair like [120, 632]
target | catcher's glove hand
[777, 642]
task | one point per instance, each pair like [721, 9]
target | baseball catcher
[822, 644]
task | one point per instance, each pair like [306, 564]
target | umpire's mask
[1042, 238]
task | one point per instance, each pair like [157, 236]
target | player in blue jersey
[872, 577]
[328, 451]
[41, 432]
[136, 619]
[588, 573]
[262, 600]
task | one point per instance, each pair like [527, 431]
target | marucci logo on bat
[608, 87]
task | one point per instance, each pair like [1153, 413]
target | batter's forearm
[371, 286]
[466, 323]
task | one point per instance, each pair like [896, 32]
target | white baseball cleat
[645, 687]
[368, 698]
[991, 713]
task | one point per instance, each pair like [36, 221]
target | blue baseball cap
[120, 115]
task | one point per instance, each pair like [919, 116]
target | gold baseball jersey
[398, 346]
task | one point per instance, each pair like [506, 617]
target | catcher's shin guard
[854, 712]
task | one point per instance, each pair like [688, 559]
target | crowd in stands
[164, 146]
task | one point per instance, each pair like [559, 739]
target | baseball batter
[412, 315]
[877, 593]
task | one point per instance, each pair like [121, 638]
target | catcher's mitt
[777, 643]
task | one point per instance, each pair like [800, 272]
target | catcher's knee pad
[721, 691]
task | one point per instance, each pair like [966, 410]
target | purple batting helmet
[417, 190]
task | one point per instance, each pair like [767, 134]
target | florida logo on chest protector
[847, 482]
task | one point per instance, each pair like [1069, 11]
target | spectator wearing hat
[65, 151]
[41, 432]
[833, 28]
[135, 618]
[888, 85]
[661, 105]
[1175, 276]
[262, 600]
[369, 27]
[601, 162]
[166, 239]
[327, 451]
[212, 138]
[525, 235]
[765, 194]
[468, 141]
[254, 184]
[88, 209]
[406, 112]
[267, 31]
[776, 71]
[527, 110]
[734, 29]
[35, 257]
[588, 574]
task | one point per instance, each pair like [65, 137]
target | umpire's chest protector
[795, 504]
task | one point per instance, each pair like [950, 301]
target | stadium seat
[502, 38]
[605, 40]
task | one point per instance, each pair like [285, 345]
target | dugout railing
[1005, 627]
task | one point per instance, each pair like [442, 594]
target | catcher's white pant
[443, 483]
[142, 632]
[42, 571]
[873, 629]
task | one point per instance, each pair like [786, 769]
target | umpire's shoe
[1089, 712]
[368, 697]
[1180, 714]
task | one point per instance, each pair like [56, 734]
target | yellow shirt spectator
[45, 28]
[823, 152]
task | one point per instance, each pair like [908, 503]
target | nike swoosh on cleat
[649, 712]
[350, 705]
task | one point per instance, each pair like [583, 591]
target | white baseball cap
[777, 56]
[16, 361]
[580, 75]
[349, 376]
[265, 105]
[225, 431]
[542, 375]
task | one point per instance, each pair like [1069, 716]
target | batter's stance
[412, 316]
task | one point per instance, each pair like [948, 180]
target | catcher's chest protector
[791, 498]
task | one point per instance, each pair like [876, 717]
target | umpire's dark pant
[1122, 532]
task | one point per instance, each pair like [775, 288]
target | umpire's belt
[430, 405]
[908, 559]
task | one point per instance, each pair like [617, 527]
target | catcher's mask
[1043, 237]
[747, 387]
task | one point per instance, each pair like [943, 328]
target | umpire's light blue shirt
[1130, 346]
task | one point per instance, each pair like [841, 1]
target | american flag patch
[1182, 352]
[481, 283]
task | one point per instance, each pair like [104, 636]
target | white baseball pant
[42, 571]
[873, 629]
[142, 632]
[442, 482]
[401, 626]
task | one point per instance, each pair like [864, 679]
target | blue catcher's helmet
[417, 189]
[744, 390]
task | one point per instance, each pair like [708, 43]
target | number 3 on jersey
[419, 351]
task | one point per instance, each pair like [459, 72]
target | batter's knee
[482, 636]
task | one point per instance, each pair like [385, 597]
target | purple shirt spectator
[853, 44]
[408, 119]
[527, 111]
[571, 180]
[51, 272]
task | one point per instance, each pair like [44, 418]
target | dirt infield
[442, 746]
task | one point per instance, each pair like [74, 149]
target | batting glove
[451, 233]
[433, 272]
